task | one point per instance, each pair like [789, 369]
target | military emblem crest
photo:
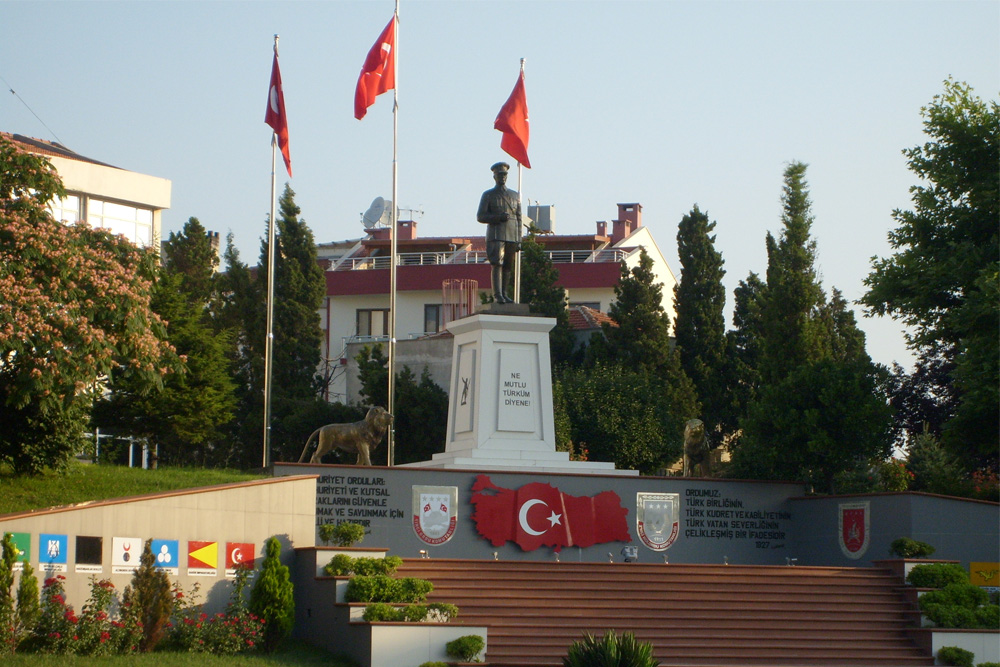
[854, 528]
[657, 519]
[435, 513]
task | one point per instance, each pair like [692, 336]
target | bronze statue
[500, 210]
[359, 437]
[697, 452]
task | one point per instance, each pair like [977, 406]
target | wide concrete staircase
[718, 615]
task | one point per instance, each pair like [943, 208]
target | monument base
[514, 460]
[500, 414]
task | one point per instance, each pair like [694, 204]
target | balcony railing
[611, 255]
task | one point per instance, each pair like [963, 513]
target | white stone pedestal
[500, 407]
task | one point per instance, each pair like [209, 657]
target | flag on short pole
[378, 74]
[275, 116]
[513, 122]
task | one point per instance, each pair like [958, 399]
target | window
[373, 322]
[135, 224]
[66, 209]
[433, 318]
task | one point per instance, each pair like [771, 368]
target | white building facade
[356, 308]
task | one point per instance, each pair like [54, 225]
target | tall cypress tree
[791, 336]
[820, 407]
[299, 288]
[744, 342]
[700, 327]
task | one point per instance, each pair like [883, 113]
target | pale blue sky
[663, 103]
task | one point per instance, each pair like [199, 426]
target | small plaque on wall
[517, 398]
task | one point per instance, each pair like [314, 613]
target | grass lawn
[83, 482]
[295, 654]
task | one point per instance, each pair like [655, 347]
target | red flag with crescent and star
[513, 122]
[239, 554]
[275, 115]
[538, 514]
[378, 74]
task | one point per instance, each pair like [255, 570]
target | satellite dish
[374, 213]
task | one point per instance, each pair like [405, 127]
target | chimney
[602, 228]
[629, 220]
[407, 230]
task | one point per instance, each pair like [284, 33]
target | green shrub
[339, 566]
[345, 534]
[376, 588]
[272, 597]
[367, 567]
[382, 588]
[414, 590]
[610, 651]
[414, 613]
[441, 612]
[904, 547]
[433, 664]
[937, 575]
[382, 612]
[960, 606]
[466, 648]
[988, 617]
[150, 598]
[955, 656]
[988, 664]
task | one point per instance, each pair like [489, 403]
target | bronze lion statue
[358, 437]
[697, 452]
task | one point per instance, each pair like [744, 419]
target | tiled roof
[582, 318]
[49, 149]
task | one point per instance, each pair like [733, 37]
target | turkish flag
[239, 554]
[538, 514]
[275, 115]
[378, 74]
[513, 122]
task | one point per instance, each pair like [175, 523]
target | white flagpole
[517, 264]
[269, 330]
[391, 407]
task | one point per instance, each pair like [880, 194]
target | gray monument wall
[713, 521]
[958, 529]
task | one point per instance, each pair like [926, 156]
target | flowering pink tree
[74, 311]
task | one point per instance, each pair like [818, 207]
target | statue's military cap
[500, 166]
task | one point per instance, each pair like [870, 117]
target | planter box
[984, 644]
[902, 566]
[411, 644]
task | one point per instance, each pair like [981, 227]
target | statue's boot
[497, 278]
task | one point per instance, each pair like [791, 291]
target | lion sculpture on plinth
[358, 437]
[697, 452]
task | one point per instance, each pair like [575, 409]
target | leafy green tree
[631, 416]
[76, 313]
[700, 325]
[540, 290]
[272, 597]
[421, 418]
[944, 278]
[184, 420]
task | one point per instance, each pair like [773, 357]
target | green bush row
[342, 565]
[436, 612]
[937, 575]
[383, 588]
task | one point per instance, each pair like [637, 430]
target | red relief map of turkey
[539, 514]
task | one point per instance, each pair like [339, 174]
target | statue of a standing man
[500, 210]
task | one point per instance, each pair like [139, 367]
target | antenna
[373, 216]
